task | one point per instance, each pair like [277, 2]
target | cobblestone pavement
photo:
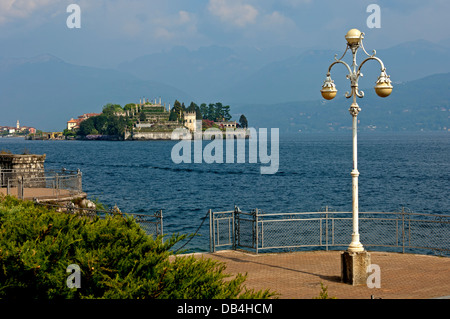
[299, 275]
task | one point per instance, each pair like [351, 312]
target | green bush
[117, 259]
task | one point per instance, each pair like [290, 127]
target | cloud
[235, 12]
[11, 10]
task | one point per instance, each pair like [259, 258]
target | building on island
[190, 121]
[75, 123]
[152, 120]
[225, 124]
[150, 112]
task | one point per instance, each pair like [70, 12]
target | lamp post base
[354, 267]
[355, 246]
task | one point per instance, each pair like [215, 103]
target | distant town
[146, 120]
[17, 130]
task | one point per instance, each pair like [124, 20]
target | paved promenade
[43, 193]
[298, 275]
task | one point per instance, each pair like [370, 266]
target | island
[153, 120]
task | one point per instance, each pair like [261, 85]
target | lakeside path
[298, 275]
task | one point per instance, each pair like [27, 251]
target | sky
[114, 31]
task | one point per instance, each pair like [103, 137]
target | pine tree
[243, 121]
[116, 258]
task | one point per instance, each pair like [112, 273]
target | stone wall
[208, 134]
[14, 166]
[151, 136]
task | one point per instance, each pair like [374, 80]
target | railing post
[161, 224]
[403, 229]
[79, 185]
[326, 228]
[256, 230]
[211, 232]
[20, 187]
[233, 220]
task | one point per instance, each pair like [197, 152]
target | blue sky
[116, 30]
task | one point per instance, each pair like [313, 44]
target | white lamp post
[383, 88]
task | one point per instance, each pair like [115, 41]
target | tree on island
[216, 112]
[176, 113]
[111, 122]
[142, 116]
[195, 108]
[243, 121]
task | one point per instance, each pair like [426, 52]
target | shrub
[116, 258]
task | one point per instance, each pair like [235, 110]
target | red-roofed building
[75, 123]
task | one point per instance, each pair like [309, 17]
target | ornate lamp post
[383, 88]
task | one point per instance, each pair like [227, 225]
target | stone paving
[43, 193]
[299, 275]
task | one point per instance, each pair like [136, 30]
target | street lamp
[383, 88]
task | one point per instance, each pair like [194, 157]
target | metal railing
[398, 231]
[151, 223]
[41, 184]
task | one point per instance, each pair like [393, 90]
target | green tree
[117, 259]
[86, 127]
[204, 111]
[110, 109]
[195, 108]
[211, 114]
[218, 112]
[173, 115]
[178, 110]
[129, 107]
[243, 121]
[226, 113]
[192, 107]
[101, 123]
[67, 132]
[142, 117]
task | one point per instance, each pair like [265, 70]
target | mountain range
[278, 87]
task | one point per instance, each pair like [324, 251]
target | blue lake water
[396, 169]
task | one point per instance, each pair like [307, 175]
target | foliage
[243, 121]
[215, 112]
[110, 109]
[142, 117]
[107, 123]
[116, 258]
[195, 108]
[68, 132]
[129, 107]
[323, 293]
[206, 124]
[177, 111]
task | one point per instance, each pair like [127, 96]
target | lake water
[396, 169]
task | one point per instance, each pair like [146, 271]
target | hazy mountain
[300, 77]
[206, 71]
[45, 91]
[251, 75]
[422, 104]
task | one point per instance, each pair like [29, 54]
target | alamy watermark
[374, 278]
[74, 279]
[74, 19]
[190, 147]
[374, 19]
